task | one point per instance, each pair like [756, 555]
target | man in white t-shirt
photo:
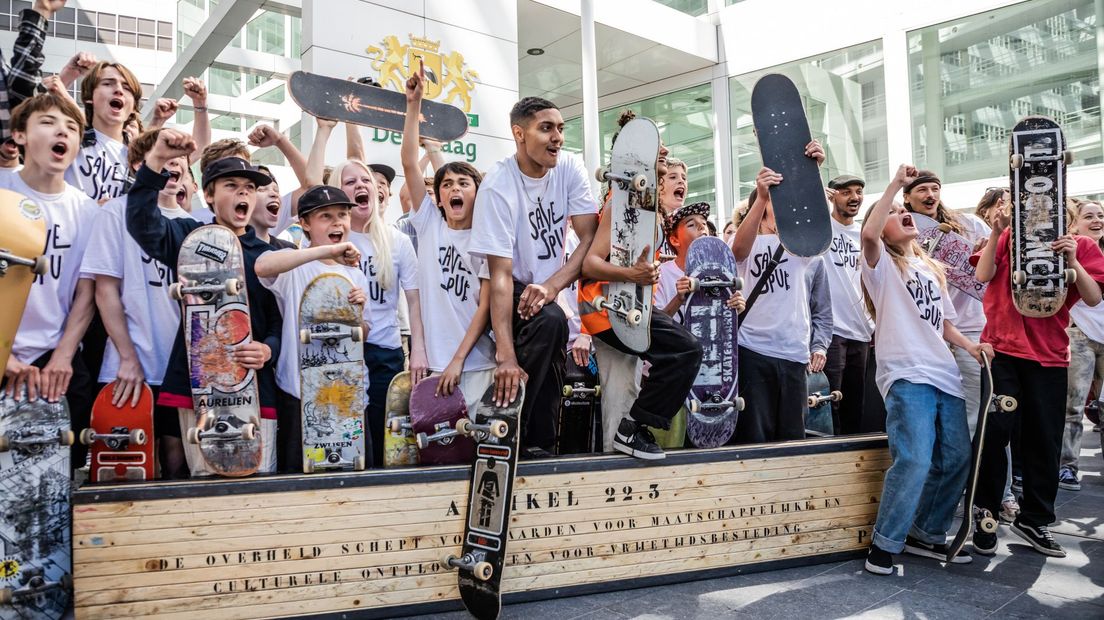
[519, 225]
[852, 329]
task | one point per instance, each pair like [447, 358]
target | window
[266, 33]
[223, 82]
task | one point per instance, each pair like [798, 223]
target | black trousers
[874, 411]
[675, 355]
[846, 372]
[774, 393]
[540, 344]
[1041, 415]
[289, 434]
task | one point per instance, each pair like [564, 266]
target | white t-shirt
[910, 310]
[1089, 320]
[100, 170]
[665, 290]
[778, 323]
[448, 285]
[152, 317]
[382, 309]
[568, 299]
[841, 263]
[525, 219]
[70, 216]
[971, 315]
[288, 288]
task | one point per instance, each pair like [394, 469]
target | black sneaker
[636, 440]
[879, 561]
[938, 551]
[1067, 480]
[1040, 538]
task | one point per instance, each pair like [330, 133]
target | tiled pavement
[1016, 583]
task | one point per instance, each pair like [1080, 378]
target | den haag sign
[373, 543]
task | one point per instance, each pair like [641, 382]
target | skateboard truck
[816, 400]
[637, 182]
[1021, 277]
[496, 428]
[443, 435]
[331, 335]
[715, 403]
[118, 438]
[473, 563]
[33, 584]
[399, 425]
[632, 316]
[333, 460]
[713, 283]
[580, 389]
[231, 286]
[34, 440]
[221, 429]
[1016, 160]
[38, 264]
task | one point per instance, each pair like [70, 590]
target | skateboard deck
[399, 447]
[632, 176]
[951, 249]
[486, 529]
[580, 413]
[802, 217]
[121, 438]
[331, 375]
[674, 437]
[1037, 167]
[361, 104]
[22, 240]
[712, 405]
[35, 522]
[215, 310]
[433, 421]
[986, 520]
[818, 407]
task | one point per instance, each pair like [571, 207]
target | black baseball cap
[234, 167]
[322, 196]
[387, 171]
[844, 180]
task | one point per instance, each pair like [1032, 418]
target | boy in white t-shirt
[110, 93]
[59, 307]
[681, 228]
[324, 215]
[455, 299]
[519, 225]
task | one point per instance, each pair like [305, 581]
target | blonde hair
[897, 255]
[377, 230]
[1074, 207]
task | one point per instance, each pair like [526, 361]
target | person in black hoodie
[229, 188]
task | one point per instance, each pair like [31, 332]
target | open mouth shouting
[273, 207]
[456, 204]
[362, 198]
[680, 193]
[181, 198]
[336, 236]
[906, 221]
[241, 210]
[117, 104]
[59, 149]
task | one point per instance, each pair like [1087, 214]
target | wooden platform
[372, 542]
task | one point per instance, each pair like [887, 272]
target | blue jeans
[930, 446]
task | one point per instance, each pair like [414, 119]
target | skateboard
[580, 412]
[400, 447]
[985, 519]
[804, 228]
[121, 438]
[496, 431]
[22, 239]
[951, 249]
[433, 421]
[331, 375]
[712, 405]
[35, 522]
[1037, 167]
[632, 176]
[361, 104]
[215, 310]
[818, 407]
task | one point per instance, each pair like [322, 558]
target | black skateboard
[496, 431]
[361, 104]
[800, 212]
[579, 428]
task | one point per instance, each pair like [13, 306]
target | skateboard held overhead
[399, 445]
[634, 228]
[22, 239]
[800, 212]
[121, 438]
[951, 249]
[215, 310]
[434, 421]
[1037, 162]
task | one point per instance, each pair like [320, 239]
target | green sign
[473, 120]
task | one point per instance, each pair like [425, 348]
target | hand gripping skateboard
[1037, 162]
[22, 239]
[215, 310]
[713, 405]
[951, 249]
[399, 446]
[985, 519]
[632, 177]
[331, 375]
[361, 104]
[35, 524]
[818, 407]
[121, 438]
[496, 431]
[435, 420]
[804, 228]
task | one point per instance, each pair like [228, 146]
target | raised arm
[354, 142]
[316, 161]
[196, 90]
[744, 238]
[412, 168]
[878, 214]
[273, 263]
[987, 263]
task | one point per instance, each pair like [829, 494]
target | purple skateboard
[433, 419]
[712, 404]
[951, 249]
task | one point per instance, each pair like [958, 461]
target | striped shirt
[22, 77]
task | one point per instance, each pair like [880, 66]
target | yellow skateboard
[22, 241]
[399, 448]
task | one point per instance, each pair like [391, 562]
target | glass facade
[690, 7]
[972, 79]
[844, 97]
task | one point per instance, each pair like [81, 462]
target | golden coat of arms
[445, 74]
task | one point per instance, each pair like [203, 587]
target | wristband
[199, 108]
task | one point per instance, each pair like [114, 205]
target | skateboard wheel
[694, 283]
[944, 228]
[639, 182]
[1016, 161]
[448, 560]
[694, 406]
[1067, 157]
[138, 437]
[308, 466]
[65, 438]
[359, 463]
[568, 391]
[4, 444]
[1070, 276]
[463, 426]
[812, 400]
[836, 395]
[87, 436]
[499, 428]
[394, 425]
[40, 265]
[248, 432]
[304, 336]
[5, 596]
[739, 404]
[233, 286]
[634, 317]
[357, 334]
[193, 435]
[601, 174]
[600, 302]
[1019, 276]
[176, 291]
[988, 525]
[597, 391]
[482, 571]
[1007, 403]
[422, 441]
[738, 283]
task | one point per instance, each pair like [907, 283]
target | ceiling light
[534, 51]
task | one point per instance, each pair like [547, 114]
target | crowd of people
[491, 278]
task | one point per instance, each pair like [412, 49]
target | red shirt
[1042, 340]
